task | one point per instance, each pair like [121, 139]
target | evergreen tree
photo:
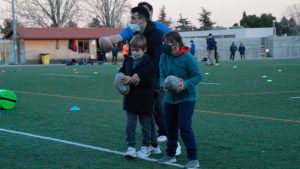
[253, 21]
[184, 24]
[162, 18]
[205, 21]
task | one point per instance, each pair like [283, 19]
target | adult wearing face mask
[211, 47]
[127, 33]
[180, 104]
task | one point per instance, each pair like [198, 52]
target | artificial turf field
[241, 121]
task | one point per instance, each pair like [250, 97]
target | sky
[224, 12]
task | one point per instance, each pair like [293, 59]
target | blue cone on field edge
[75, 108]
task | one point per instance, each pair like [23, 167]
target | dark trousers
[232, 54]
[114, 59]
[242, 55]
[146, 125]
[159, 113]
[179, 116]
[216, 56]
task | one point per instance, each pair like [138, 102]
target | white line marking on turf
[64, 75]
[295, 97]
[81, 145]
[210, 83]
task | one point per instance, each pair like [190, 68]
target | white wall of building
[252, 38]
[237, 33]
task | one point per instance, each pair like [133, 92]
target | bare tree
[293, 12]
[47, 13]
[108, 12]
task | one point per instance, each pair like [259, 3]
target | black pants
[159, 114]
[216, 56]
[114, 59]
[232, 54]
[242, 56]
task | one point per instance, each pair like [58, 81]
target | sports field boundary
[82, 145]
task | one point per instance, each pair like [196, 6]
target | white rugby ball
[105, 44]
[122, 88]
[171, 83]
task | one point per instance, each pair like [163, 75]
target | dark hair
[173, 37]
[138, 41]
[209, 34]
[192, 41]
[149, 6]
[142, 12]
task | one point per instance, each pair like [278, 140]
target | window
[83, 46]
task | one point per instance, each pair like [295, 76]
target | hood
[183, 49]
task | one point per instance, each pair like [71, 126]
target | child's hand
[135, 79]
[126, 79]
[180, 86]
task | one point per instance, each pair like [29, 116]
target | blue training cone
[75, 108]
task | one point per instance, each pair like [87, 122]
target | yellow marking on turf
[197, 110]
[70, 97]
[248, 116]
[254, 93]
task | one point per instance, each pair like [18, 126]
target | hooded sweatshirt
[185, 66]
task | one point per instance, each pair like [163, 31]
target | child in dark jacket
[138, 103]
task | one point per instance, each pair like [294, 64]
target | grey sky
[224, 12]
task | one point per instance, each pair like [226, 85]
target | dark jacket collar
[150, 25]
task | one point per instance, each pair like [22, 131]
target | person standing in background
[125, 50]
[192, 48]
[242, 50]
[211, 47]
[233, 49]
[115, 54]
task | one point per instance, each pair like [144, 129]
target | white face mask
[134, 27]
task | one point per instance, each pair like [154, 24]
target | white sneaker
[144, 152]
[178, 150]
[130, 153]
[162, 138]
[155, 150]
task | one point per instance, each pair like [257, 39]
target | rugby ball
[171, 83]
[122, 88]
[105, 44]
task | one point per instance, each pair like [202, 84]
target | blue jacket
[183, 66]
[127, 34]
[193, 49]
[211, 43]
[115, 51]
[242, 49]
[233, 48]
